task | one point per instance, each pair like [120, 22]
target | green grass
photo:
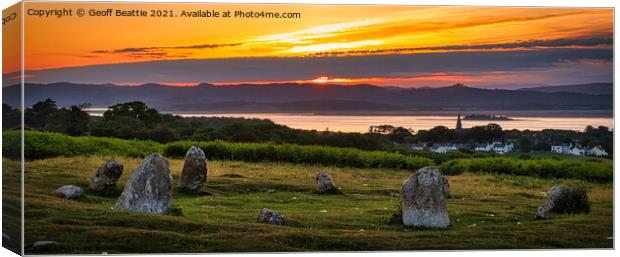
[487, 212]
[11, 206]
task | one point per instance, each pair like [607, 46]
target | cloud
[160, 51]
[555, 43]
[366, 66]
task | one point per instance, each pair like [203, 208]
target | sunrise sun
[323, 79]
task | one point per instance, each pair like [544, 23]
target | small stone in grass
[270, 217]
[70, 192]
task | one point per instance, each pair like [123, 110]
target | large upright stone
[324, 183]
[564, 199]
[106, 177]
[149, 188]
[194, 172]
[423, 200]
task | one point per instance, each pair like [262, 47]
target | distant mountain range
[591, 88]
[291, 97]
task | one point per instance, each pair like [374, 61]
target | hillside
[306, 97]
[591, 88]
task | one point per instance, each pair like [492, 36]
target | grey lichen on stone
[70, 192]
[149, 188]
[195, 170]
[270, 217]
[423, 200]
[324, 183]
[106, 177]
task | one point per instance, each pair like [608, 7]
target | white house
[443, 148]
[483, 147]
[502, 148]
[497, 147]
[597, 151]
[418, 146]
[577, 150]
[561, 148]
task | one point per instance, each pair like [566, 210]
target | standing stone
[106, 177]
[564, 199]
[70, 192]
[194, 169]
[270, 217]
[446, 187]
[324, 183]
[423, 200]
[149, 188]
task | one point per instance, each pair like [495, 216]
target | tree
[72, 121]
[525, 145]
[11, 118]
[401, 135]
[436, 134]
[36, 116]
[495, 131]
[477, 134]
[137, 110]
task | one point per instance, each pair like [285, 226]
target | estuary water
[361, 123]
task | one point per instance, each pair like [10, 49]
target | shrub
[546, 168]
[573, 200]
[323, 155]
[40, 145]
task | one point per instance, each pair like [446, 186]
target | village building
[459, 124]
[597, 151]
[497, 147]
[418, 146]
[561, 148]
[444, 148]
[578, 150]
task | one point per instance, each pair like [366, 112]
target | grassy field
[40, 145]
[487, 211]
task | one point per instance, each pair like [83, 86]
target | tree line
[136, 120]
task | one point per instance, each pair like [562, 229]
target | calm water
[360, 123]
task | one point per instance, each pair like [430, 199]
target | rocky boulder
[149, 188]
[70, 192]
[106, 177]
[423, 200]
[564, 199]
[270, 217]
[194, 172]
[324, 183]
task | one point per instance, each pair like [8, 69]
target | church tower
[459, 125]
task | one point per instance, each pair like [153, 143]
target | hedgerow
[600, 171]
[40, 145]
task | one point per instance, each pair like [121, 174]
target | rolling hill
[591, 88]
[290, 97]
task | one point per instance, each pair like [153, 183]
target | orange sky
[321, 30]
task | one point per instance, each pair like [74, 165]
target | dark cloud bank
[296, 68]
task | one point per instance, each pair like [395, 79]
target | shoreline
[510, 113]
